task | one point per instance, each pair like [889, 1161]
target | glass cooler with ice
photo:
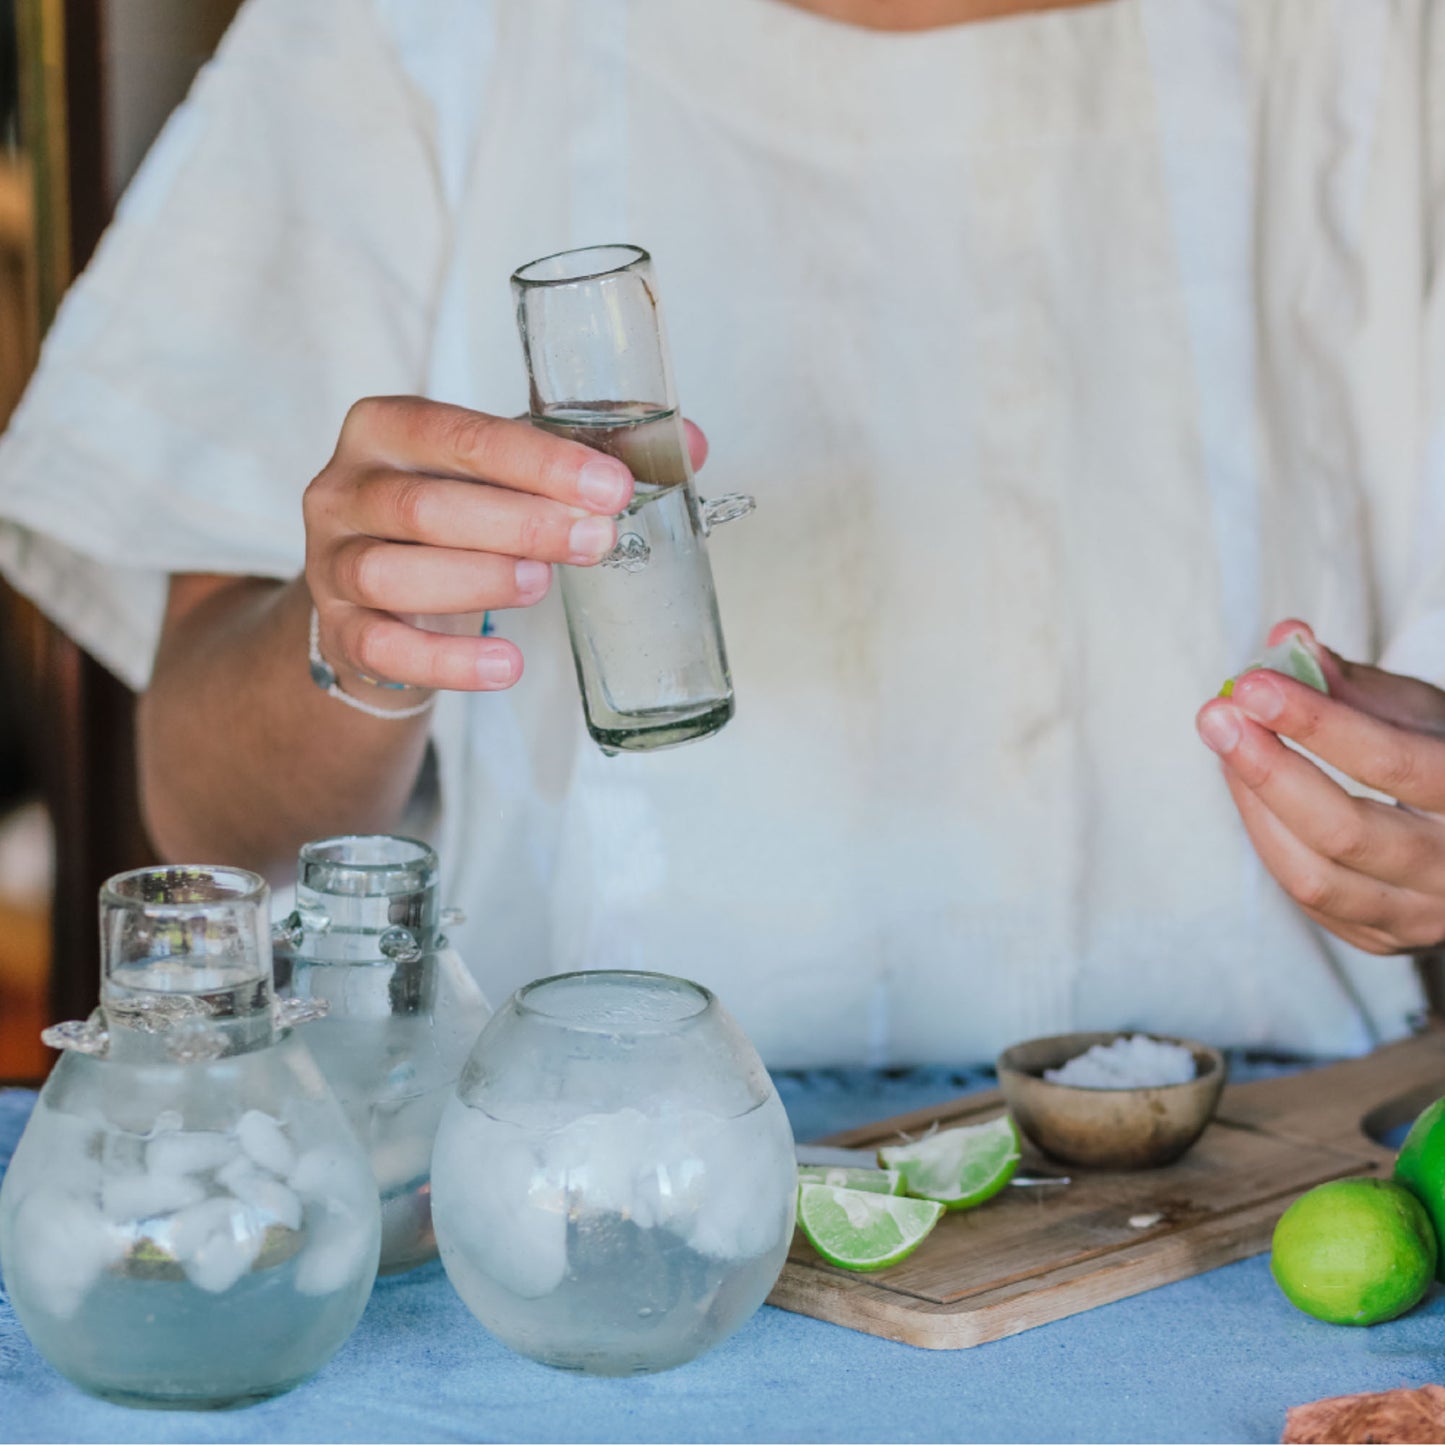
[189, 1220]
[614, 1181]
[402, 1011]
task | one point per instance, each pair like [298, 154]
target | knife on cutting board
[828, 1156]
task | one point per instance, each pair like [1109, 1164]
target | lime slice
[1293, 659]
[958, 1167]
[871, 1181]
[856, 1229]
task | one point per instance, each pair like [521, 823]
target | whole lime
[1420, 1167]
[1354, 1251]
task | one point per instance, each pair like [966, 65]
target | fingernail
[495, 669]
[1219, 728]
[591, 538]
[1257, 696]
[604, 484]
[532, 578]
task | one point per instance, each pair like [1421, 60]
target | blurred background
[84, 87]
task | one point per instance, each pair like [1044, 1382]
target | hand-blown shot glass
[644, 622]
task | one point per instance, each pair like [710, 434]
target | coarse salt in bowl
[1112, 1100]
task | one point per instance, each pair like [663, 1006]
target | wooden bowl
[1108, 1128]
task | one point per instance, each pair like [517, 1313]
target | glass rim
[702, 995]
[235, 886]
[636, 256]
[424, 857]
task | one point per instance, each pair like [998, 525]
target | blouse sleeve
[277, 257]
[1416, 643]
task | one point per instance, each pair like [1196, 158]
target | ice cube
[126, 1197]
[222, 1258]
[341, 1247]
[262, 1191]
[122, 1153]
[168, 1121]
[507, 1214]
[216, 1241]
[263, 1138]
[605, 1160]
[328, 1171]
[191, 1152]
[734, 1218]
[74, 1145]
[62, 1244]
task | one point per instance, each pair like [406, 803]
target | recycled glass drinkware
[644, 624]
[188, 1221]
[402, 1012]
[614, 1179]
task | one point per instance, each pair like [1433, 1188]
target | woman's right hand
[431, 509]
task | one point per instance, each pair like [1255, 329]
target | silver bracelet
[324, 676]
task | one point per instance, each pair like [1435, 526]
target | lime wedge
[871, 1181]
[1293, 659]
[958, 1167]
[856, 1229]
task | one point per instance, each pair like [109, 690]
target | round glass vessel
[188, 1221]
[614, 1181]
[402, 1012]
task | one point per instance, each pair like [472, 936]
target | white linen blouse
[1064, 353]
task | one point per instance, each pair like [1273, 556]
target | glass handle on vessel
[291, 930]
[288, 1012]
[400, 945]
[84, 1036]
[726, 508]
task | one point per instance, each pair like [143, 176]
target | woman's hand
[433, 509]
[1371, 873]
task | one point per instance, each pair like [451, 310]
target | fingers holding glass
[408, 434]
[375, 645]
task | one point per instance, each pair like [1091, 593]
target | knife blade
[829, 1156]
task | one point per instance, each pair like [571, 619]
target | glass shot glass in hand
[644, 623]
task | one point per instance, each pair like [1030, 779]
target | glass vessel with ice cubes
[402, 1011]
[189, 1221]
[614, 1182]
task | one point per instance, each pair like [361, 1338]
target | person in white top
[1066, 349]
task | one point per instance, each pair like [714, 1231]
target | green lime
[958, 1167]
[871, 1181]
[1354, 1251]
[857, 1229]
[1293, 658]
[1420, 1167]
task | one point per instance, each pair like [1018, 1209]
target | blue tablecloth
[1217, 1357]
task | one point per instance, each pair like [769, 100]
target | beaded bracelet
[324, 676]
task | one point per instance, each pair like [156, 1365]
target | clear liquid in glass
[644, 624]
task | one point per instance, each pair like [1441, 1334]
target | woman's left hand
[1371, 873]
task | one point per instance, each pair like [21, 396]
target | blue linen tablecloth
[1217, 1357]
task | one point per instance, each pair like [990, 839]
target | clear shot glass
[644, 623]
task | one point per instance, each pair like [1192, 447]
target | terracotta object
[1107, 1128]
[1404, 1416]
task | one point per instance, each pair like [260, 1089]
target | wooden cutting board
[1029, 1256]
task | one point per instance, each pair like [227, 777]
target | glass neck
[365, 899]
[185, 963]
